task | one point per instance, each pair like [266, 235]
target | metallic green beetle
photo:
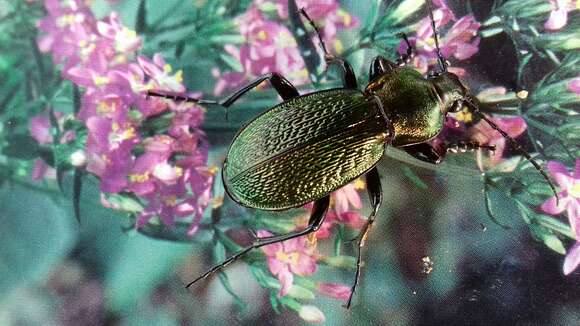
[308, 146]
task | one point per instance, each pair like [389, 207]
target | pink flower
[294, 256]
[572, 259]
[345, 205]
[574, 85]
[171, 175]
[569, 197]
[559, 14]
[569, 201]
[333, 290]
[486, 135]
[459, 41]
[270, 47]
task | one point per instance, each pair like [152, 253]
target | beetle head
[451, 91]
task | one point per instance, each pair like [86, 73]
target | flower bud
[78, 158]
[311, 314]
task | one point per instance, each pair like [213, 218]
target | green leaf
[411, 175]
[36, 233]
[21, 147]
[300, 292]
[548, 238]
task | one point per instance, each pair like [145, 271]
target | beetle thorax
[411, 103]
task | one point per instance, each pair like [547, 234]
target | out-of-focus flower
[168, 171]
[559, 14]
[486, 135]
[40, 130]
[569, 201]
[270, 47]
[345, 205]
[574, 85]
[333, 290]
[569, 196]
[459, 41]
[311, 314]
[294, 256]
[326, 13]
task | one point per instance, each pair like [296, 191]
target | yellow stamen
[139, 178]
[575, 190]
[167, 68]
[359, 184]
[170, 200]
[262, 35]
[291, 258]
[179, 76]
[100, 80]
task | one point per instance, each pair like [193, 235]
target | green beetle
[308, 146]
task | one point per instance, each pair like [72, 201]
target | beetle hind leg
[376, 197]
[316, 220]
[349, 77]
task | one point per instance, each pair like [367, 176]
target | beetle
[308, 146]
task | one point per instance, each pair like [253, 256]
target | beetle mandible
[308, 146]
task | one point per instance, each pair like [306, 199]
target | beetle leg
[406, 58]
[316, 220]
[284, 88]
[425, 152]
[380, 66]
[349, 77]
[376, 198]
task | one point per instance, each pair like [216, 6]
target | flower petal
[549, 206]
[286, 279]
[572, 259]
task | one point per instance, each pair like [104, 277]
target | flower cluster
[166, 167]
[559, 14]
[569, 201]
[459, 41]
[270, 47]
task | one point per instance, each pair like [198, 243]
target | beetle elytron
[303, 149]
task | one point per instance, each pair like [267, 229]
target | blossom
[459, 41]
[270, 47]
[333, 290]
[569, 196]
[574, 85]
[294, 256]
[559, 14]
[167, 169]
[486, 135]
[569, 201]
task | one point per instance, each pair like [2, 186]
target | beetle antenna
[440, 59]
[514, 144]
[311, 22]
[180, 98]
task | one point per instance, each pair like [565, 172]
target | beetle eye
[457, 106]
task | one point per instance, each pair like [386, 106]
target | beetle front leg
[376, 198]
[315, 222]
[380, 66]
[405, 58]
[427, 153]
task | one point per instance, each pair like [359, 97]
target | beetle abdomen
[304, 148]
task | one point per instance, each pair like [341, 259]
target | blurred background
[111, 202]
